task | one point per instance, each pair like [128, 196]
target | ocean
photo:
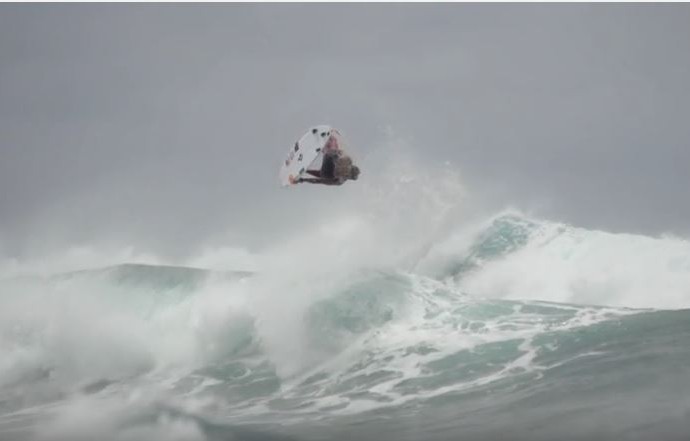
[515, 329]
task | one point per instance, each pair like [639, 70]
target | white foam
[565, 264]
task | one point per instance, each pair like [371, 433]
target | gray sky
[164, 125]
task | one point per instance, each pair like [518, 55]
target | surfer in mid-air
[318, 157]
[336, 167]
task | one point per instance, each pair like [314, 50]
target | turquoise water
[455, 348]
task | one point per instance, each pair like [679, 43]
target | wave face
[519, 329]
[519, 258]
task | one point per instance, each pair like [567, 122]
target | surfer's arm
[320, 181]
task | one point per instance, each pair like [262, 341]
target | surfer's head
[354, 172]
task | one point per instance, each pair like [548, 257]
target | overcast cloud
[164, 125]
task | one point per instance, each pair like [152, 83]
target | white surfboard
[304, 154]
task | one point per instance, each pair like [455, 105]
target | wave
[515, 257]
[516, 309]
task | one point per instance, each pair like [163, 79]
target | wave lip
[515, 257]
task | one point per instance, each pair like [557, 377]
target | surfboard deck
[304, 154]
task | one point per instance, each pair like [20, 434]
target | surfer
[336, 167]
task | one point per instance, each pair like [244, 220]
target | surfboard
[304, 154]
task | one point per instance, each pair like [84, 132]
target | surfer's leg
[328, 167]
[316, 173]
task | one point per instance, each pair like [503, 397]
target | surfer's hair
[354, 172]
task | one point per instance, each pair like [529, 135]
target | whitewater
[394, 320]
